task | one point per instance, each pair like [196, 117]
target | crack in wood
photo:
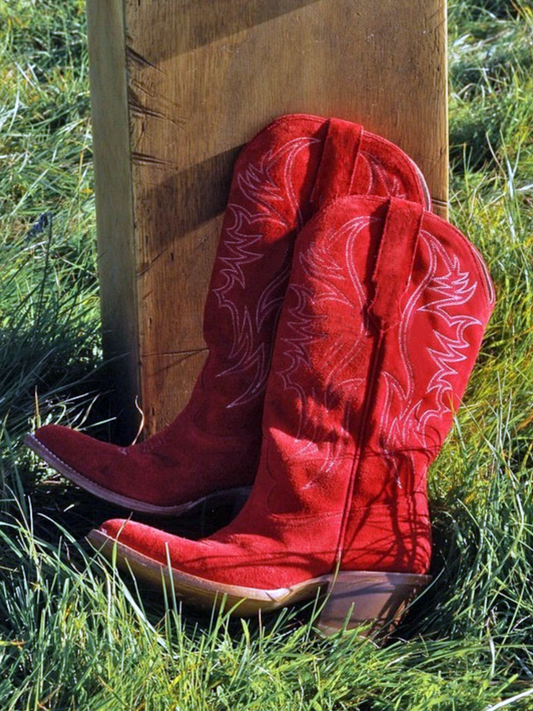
[147, 266]
[205, 239]
[191, 352]
[145, 159]
[138, 108]
[141, 61]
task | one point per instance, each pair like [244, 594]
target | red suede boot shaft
[425, 364]
[354, 411]
[214, 443]
[269, 203]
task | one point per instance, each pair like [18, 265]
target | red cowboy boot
[284, 174]
[379, 331]
[381, 325]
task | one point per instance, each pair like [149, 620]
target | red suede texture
[214, 443]
[337, 164]
[394, 262]
[354, 412]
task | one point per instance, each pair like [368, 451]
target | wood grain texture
[202, 77]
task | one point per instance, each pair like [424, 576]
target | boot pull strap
[337, 165]
[394, 262]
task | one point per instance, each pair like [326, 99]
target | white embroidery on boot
[379, 173]
[242, 247]
[304, 328]
[452, 288]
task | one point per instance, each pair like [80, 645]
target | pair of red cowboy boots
[343, 321]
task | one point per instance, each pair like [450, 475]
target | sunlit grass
[73, 634]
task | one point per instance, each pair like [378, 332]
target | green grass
[73, 634]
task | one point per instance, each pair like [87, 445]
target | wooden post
[178, 86]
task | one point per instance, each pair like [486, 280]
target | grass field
[75, 635]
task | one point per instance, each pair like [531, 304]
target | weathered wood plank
[202, 77]
[114, 199]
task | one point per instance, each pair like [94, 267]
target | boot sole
[216, 498]
[352, 598]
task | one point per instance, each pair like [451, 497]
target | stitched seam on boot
[480, 265]
[85, 478]
[287, 119]
[296, 519]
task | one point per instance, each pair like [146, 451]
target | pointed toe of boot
[138, 478]
[159, 559]
[70, 452]
[124, 476]
[95, 466]
[133, 540]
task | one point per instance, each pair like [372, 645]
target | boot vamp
[277, 554]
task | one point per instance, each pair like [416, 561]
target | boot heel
[354, 598]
